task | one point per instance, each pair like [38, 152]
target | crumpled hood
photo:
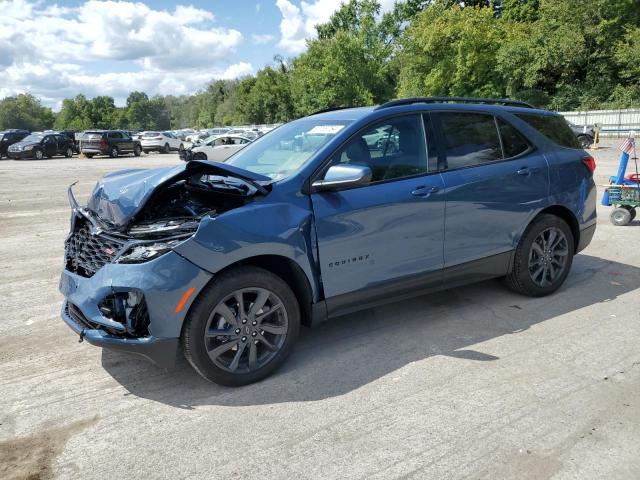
[119, 196]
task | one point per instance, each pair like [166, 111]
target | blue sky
[56, 50]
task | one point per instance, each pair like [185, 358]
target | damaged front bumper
[162, 284]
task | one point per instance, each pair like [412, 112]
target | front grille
[86, 253]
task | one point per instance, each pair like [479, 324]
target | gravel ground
[475, 382]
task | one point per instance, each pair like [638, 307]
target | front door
[50, 146]
[378, 239]
[494, 181]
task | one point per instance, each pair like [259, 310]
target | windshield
[34, 137]
[284, 150]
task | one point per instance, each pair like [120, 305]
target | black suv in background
[108, 142]
[8, 138]
[39, 145]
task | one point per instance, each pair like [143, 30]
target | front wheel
[200, 156]
[166, 149]
[39, 154]
[241, 327]
[543, 257]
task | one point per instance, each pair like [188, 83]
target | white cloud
[298, 23]
[262, 39]
[161, 51]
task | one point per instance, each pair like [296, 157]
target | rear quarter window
[555, 128]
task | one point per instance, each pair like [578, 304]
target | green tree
[452, 51]
[348, 65]
[266, 98]
[25, 111]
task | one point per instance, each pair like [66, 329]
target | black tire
[38, 154]
[88, 155]
[146, 151]
[632, 211]
[620, 216]
[197, 346]
[166, 149]
[585, 141]
[199, 156]
[137, 151]
[524, 269]
[113, 153]
[181, 148]
[68, 153]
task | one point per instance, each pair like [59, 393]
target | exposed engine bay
[136, 215]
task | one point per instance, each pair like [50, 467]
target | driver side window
[395, 148]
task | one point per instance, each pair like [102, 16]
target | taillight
[590, 163]
[103, 142]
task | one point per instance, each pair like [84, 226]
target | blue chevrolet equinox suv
[332, 213]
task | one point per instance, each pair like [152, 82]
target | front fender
[282, 229]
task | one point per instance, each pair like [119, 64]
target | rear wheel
[113, 153]
[632, 210]
[620, 216]
[146, 151]
[137, 151]
[543, 257]
[585, 141]
[241, 327]
[68, 152]
[88, 155]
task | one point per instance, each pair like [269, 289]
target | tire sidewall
[211, 295]
[113, 153]
[521, 259]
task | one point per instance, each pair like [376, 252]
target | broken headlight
[148, 251]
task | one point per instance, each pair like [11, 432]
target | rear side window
[513, 143]
[470, 139]
[115, 135]
[555, 128]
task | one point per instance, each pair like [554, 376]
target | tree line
[556, 54]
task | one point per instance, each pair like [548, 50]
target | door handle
[424, 191]
[524, 171]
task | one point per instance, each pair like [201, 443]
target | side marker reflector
[184, 299]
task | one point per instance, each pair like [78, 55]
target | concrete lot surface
[475, 382]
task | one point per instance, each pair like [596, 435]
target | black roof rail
[487, 101]
[330, 109]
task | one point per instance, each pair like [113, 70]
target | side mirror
[343, 176]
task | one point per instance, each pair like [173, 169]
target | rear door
[494, 181]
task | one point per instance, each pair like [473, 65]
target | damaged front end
[139, 215]
[122, 280]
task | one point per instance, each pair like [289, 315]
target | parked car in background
[584, 133]
[9, 137]
[227, 260]
[196, 137]
[108, 142]
[39, 145]
[219, 148]
[163, 142]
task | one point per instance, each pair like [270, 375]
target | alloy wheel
[548, 256]
[246, 330]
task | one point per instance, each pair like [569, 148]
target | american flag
[628, 146]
